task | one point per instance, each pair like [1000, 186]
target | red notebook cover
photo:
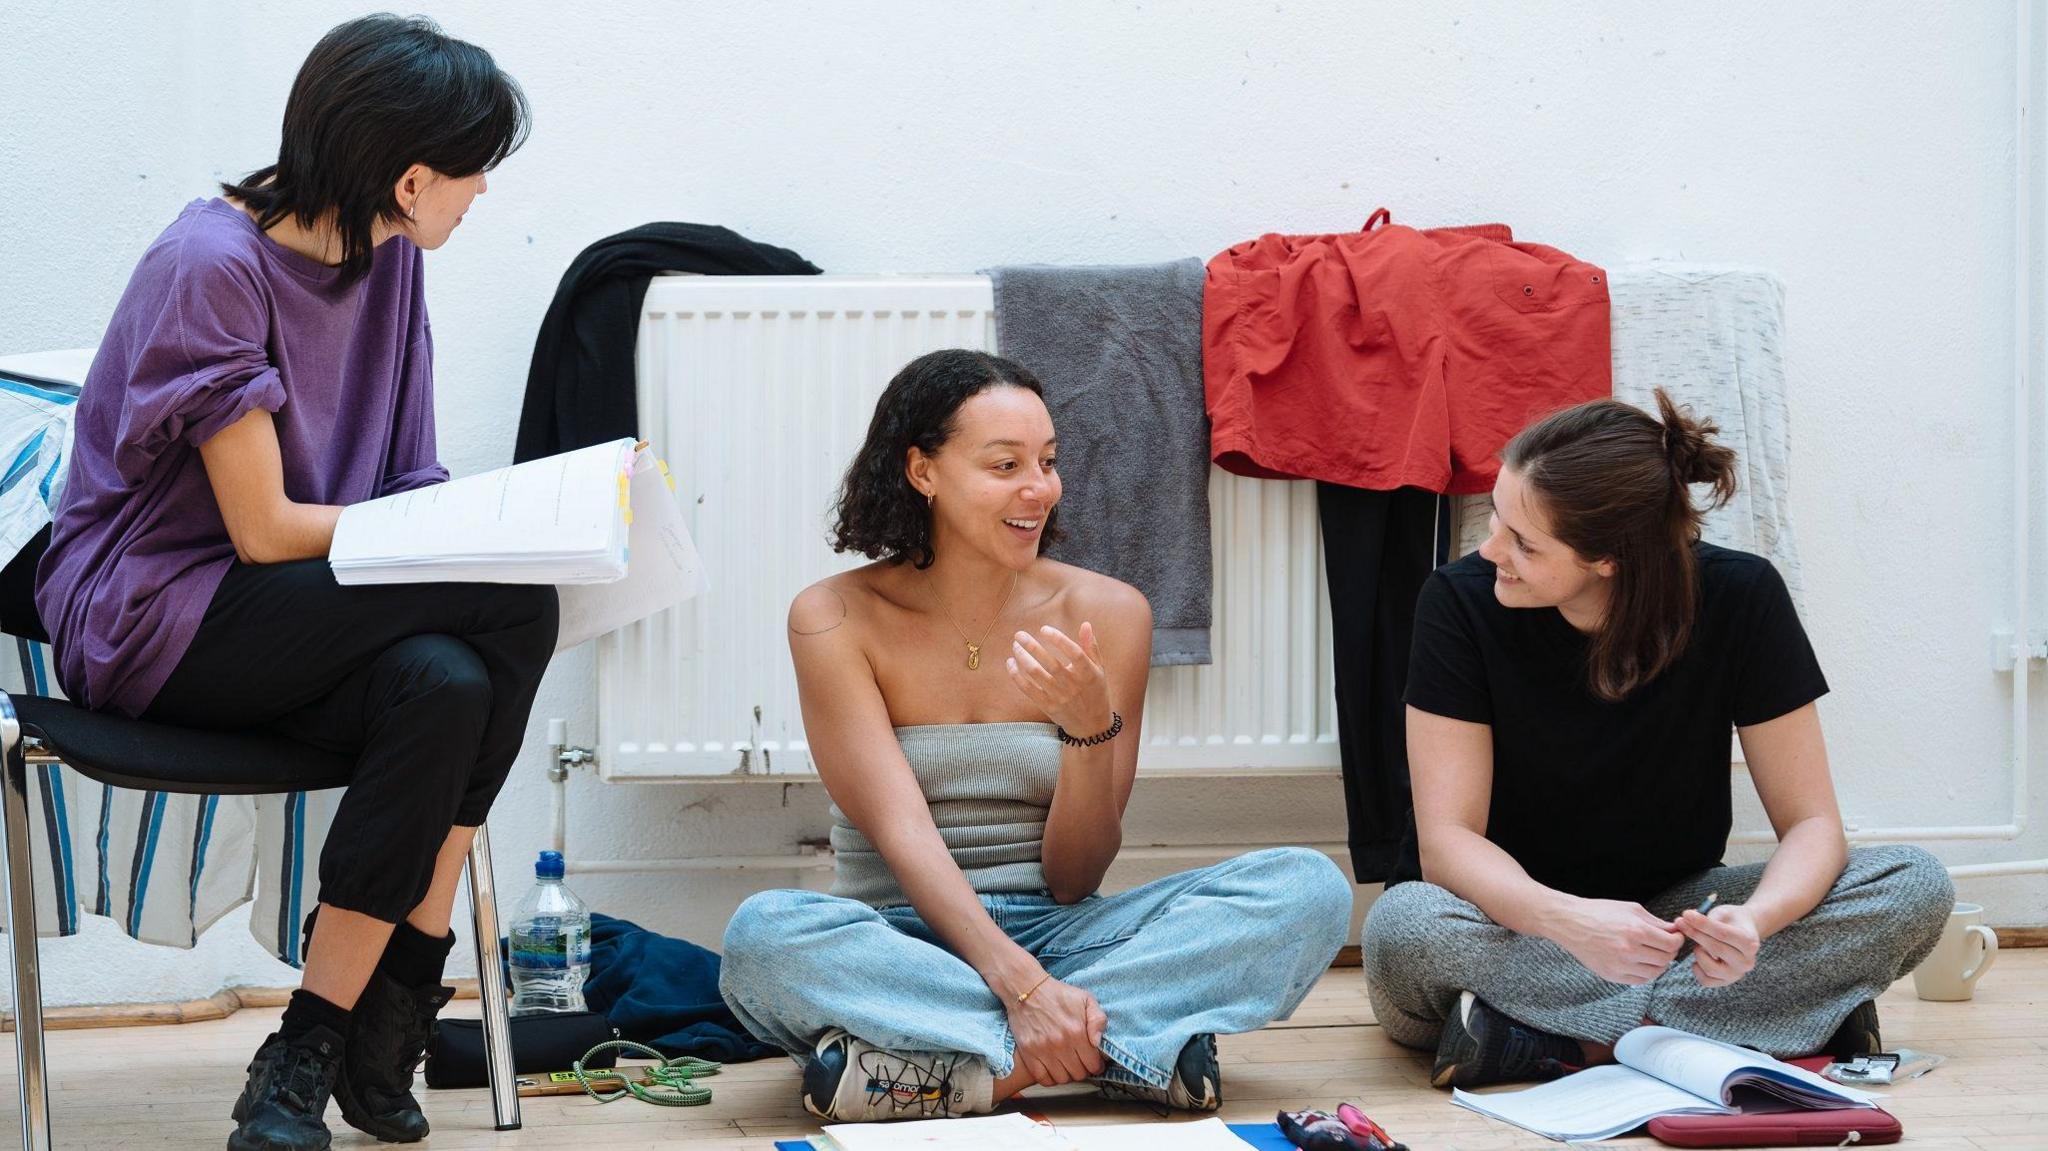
[1780, 1129]
[1785, 1129]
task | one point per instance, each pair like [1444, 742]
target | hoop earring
[931, 499]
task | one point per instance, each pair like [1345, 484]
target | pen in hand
[1685, 949]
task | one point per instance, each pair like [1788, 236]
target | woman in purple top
[269, 364]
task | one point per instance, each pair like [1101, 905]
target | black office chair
[130, 753]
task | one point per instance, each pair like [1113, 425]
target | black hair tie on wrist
[1116, 727]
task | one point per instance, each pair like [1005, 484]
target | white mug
[1965, 952]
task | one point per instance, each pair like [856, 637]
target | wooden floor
[171, 1087]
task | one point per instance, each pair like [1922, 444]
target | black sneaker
[1857, 1035]
[282, 1105]
[388, 1033]
[850, 1080]
[1197, 1083]
[1479, 1046]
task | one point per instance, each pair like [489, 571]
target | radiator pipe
[2025, 380]
[2013, 867]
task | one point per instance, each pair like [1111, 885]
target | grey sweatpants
[1423, 946]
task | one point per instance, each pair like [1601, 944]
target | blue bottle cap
[549, 866]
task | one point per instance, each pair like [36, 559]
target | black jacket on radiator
[579, 390]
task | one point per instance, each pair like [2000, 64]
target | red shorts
[1392, 357]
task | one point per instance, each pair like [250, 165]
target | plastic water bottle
[550, 944]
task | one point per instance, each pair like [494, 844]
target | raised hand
[1063, 677]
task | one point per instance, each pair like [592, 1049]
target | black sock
[307, 1011]
[414, 958]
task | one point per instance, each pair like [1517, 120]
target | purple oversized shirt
[217, 321]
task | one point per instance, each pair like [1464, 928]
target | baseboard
[218, 1006]
[2007, 937]
[228, 1002]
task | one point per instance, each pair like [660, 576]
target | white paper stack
[601, 523]
[1005, 1132]
[560, 520]
[1010, 1131]
[662, 568]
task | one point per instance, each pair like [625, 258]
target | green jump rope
[669, 1080]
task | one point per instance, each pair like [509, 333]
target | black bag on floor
[540, 1044]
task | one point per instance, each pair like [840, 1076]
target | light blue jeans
[1219, 950]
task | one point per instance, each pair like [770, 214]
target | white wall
[1863, 151]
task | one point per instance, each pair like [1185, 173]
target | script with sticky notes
[601, 523]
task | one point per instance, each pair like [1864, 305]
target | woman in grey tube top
[974, 709]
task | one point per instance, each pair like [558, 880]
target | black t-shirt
[1608, 800]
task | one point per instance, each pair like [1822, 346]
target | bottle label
[548, 943]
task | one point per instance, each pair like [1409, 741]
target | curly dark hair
[878, 513]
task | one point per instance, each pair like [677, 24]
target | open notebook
[1662, 1071]
[601, 523]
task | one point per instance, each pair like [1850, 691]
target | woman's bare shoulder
[1092, 595]
[850, 599]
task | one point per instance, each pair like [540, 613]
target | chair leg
[21, 935]
[483, 905]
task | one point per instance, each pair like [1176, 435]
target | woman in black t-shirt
[1570, 696]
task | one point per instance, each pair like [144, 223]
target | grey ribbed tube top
[989, 786]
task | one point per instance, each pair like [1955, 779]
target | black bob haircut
[879, 514]
[376, 96]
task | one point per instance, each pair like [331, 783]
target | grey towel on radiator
[1119, 350]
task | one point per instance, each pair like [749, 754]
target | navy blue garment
[664, 992]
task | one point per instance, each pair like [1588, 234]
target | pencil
[1706, 905]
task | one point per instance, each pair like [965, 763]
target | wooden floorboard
[171, 1086]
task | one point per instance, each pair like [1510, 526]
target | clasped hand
[1058, 1029]
[1622, 942]
[1726, 940]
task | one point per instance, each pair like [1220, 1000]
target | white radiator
[758, 390]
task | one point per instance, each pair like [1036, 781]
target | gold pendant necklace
[973, 645]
